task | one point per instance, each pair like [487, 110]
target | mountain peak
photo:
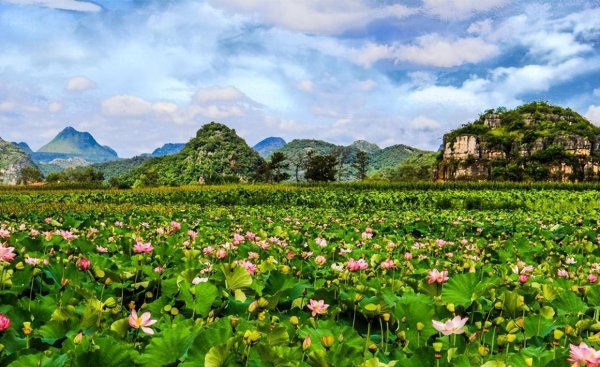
[81, 144]
[268, 146]
[365, 146]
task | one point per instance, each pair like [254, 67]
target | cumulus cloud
[126, 106]
[228, 93]
[315, 16]
[435, 50]
[73, 5]
[593, 114]
[460, 9]
[80, 84]
[424, 123]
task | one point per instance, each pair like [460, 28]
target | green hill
[533, 142]
[216, 154]
[391, 157]
[71, 143]
[120, 167]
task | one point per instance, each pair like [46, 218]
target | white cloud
[315, 16]
[481, 27]
[366, 85]
[424, 123]
[460, 9]
[434, 50]
[54, 107]
[73, 5]
[306, 86]
[219, 94]
[80, 84]
[593, 114]
[597, 92]
[126, 106]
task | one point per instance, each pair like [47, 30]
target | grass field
[341, 275]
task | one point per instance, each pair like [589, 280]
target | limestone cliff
[534, 142]
[13, 160]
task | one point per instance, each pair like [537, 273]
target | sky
[140, 73]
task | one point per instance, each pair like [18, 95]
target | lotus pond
[300, 276]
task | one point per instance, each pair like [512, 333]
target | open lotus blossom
[4, 322]
[320, 260]
[143, 322]
[317, 307]
[454, 326]
[436, 276]
[32, 261]
[250, 267]
[356, 265]
[143, 248]
[592, 278]
[583, 355]
[388, 264]
[7, 253]
[101, 249]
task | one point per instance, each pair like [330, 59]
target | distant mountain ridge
[268, 146]
[70, 143]
[168, 149]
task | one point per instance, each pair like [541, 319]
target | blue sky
[141, 73]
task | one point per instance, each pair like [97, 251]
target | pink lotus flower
[354, 265]
[249, 266]
[388, 264]
[317, 307]
[32, 261]
[4, 233]
[143, 248]
[250, 236]
[84, 264]
[454, 326]
[68, 235]
[4, 322]
[221, 254]
[142, 322]
[563, 273]
[238, 239]
[208, 250]
[176, 226]
[523, 278]
[436, 276]
[320, 260]
[7, 253]
[592, 278]
[253, 255]
[159, 269]
[583, 355]
[408, 256]
[101, 249]
[321, 242]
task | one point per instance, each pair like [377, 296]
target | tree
[299, 161]
[342, 154]
[30, 175]
[276, 166]
[361, 164]
[321, 168]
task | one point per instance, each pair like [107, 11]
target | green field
[235, 275]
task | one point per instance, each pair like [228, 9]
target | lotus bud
[262, 316]
[373, 348]
[251, 337]
[498, 305]
[294, 320]
[27, 328]
[78, 338]
[529, 361]
[312, 322]
[569, 329]
[174, 311]
[386, 317]
[483, 350]
[358, 297]
[420, 326]
[478, 325]
[306, 343]
[437, 347]
[64, 282]
[401, 335]
[450, 307]
[499, 320]
[558, 334]
[487, 324]
[234, 321]
[20, 266]
[511, 338]
[501, 339]
[327, 341]
[262, 303]
[521, 323]
[253, 307]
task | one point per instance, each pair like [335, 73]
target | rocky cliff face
[533, 142]
[13, 160]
